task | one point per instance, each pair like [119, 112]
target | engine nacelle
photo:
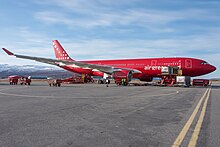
[124, 74]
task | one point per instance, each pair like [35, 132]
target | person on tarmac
[123, 82]
[107, 82]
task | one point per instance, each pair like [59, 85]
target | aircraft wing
[39, 59]
[102, 68]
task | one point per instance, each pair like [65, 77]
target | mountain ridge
[33, 70]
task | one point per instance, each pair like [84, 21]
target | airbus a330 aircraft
[143, 69]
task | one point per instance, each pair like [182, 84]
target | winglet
[8, 52]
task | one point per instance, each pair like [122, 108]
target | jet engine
[123, 74]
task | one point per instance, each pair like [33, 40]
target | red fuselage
[150, 67]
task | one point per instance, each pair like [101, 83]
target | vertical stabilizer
[60, 53]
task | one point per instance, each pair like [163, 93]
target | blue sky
[110, 29]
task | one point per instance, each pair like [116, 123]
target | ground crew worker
[125, 82]
[122, 81]
[107, 82]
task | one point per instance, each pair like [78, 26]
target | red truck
[14, 80]
[200, 82]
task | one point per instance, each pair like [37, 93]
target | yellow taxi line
[185, 129]
[197, 129]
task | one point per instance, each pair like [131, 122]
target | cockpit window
[204, 63]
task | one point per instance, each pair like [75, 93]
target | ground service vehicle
[25, 81]
[78, 79]
[13, 80]
[183, 81]
[200, 82]
[54, 82]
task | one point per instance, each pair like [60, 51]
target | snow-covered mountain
[32, 70]
[4, 67]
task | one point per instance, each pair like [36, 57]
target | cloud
[27, 41]
[48, 17]
[154, 21]
[150, 20]
[95, 13]
[85, 6]
[112, 48]
[38, 44]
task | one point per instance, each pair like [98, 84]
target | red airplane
[143, 69]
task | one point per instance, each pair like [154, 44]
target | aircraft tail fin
[60, 53]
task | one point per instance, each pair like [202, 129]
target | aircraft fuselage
[150, 67]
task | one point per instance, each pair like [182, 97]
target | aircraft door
[188, 63]
[153, 62]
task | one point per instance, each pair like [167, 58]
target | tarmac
[93, 115]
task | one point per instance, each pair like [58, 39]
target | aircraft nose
[212, 68]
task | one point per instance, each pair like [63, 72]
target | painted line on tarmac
[143, 107]
[176, 92]
[197, 129]
[9, 88]
[185, 129]
[20, 95]
[155, 95]
[54, 97]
